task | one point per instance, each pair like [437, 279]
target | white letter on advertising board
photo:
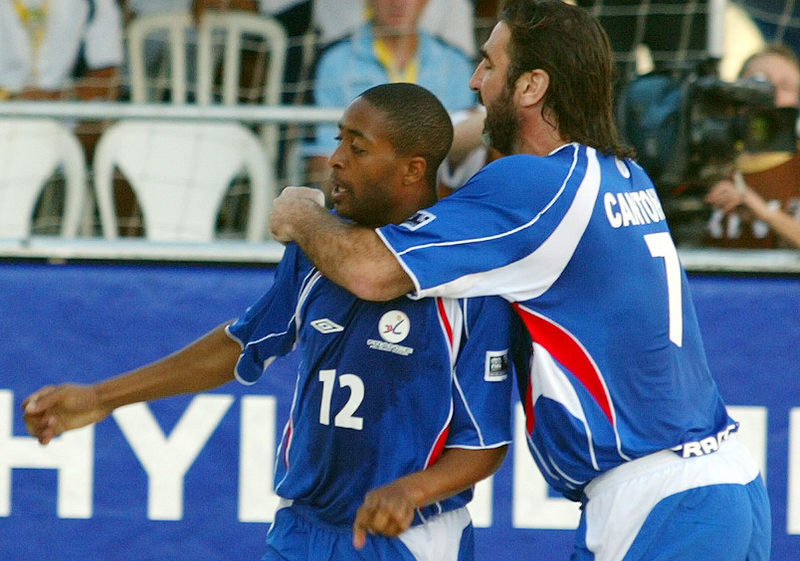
[71, 454]
[167, 459]
[257, 499]
[793, 490]
[752, 432]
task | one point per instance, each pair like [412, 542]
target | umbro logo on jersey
[418, 220]
[325, 325]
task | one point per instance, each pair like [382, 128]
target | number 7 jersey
[381, 388]
[579, 243]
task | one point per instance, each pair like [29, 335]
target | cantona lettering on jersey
[633, 209]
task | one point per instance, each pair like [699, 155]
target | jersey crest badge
[394, 326]
[496, 369]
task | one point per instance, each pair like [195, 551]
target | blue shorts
[664, 507]
[295, 537]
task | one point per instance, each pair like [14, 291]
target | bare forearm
[781, 222]
[455, 471]
[352, 256]
[389, 510]
[203, 365]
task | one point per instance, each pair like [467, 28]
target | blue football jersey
[579, 243]
[381, 388]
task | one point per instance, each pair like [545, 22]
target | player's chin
[343, 209]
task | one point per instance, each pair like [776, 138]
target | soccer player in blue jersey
[622, 412]
[400, 407]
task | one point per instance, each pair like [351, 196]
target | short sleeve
[484, 374]
[499, 218]
[268, 328]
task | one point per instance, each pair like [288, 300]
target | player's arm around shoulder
[352, 256]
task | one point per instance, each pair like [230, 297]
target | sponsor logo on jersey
[496, 369]
[376, 345]
[418, 220]
[393, 327]
[324, 325]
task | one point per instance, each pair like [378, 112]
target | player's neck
[420, 198]
[539, 138]
[401, 44]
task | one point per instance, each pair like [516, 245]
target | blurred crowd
[82, 50]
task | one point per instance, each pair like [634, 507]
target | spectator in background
[62, 49]
[759, 207]
[453, 21]
[43, 43]
[390, 47]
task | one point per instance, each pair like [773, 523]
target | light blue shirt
[350, 67]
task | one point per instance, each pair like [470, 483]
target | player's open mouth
[339, 190]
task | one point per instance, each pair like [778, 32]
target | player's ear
[532, 86]
[415, 169]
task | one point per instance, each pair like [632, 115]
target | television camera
[688, 132]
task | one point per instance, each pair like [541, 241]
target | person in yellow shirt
[389, 47]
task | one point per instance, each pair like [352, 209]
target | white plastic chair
[221, 38]
[180, 173]
[177, 29]
[31, 150]
[228, 29]
[233, 28]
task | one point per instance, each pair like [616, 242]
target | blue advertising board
[190, 477]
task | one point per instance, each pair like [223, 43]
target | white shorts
[637, 507]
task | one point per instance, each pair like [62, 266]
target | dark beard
[501, 128]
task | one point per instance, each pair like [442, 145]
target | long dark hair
[570, 45]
